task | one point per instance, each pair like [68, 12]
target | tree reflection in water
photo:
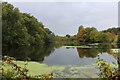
[35, 53]
[93, 52]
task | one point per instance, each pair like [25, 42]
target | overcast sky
[65, 17]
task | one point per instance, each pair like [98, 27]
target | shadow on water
[72, 56]
[38, 53]
[93, 52]
[34, 53]
[89, 53]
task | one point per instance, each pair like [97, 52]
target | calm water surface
[62, 55]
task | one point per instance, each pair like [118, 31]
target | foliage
[106, 71]
[118, 38]
[88, 35]
[22, 28]
[112, 30]
[67, 35]
[92, 35]
[66, 40]
[85, 35]
[18, 72]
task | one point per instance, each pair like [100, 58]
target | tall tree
[22, 28]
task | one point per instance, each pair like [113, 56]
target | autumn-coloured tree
[92, 35]
[87, 35]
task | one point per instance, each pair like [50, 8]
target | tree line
[92, 35]
[22, 28]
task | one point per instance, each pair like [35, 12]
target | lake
[69, 57]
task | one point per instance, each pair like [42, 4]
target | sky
[65, 17]
[61, 0]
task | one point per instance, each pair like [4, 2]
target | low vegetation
[18, 72]
[107, 71]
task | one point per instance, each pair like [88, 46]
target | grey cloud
[64, 18]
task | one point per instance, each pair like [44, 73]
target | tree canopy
[92, 35]
[22, 28]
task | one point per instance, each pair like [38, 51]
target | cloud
[65, 17]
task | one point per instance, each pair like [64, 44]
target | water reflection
[90, 53]
[35, 53]
[57, 55]
[93, 52]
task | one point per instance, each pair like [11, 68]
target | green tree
[22, 28]
[80, 27]
[67, 35]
